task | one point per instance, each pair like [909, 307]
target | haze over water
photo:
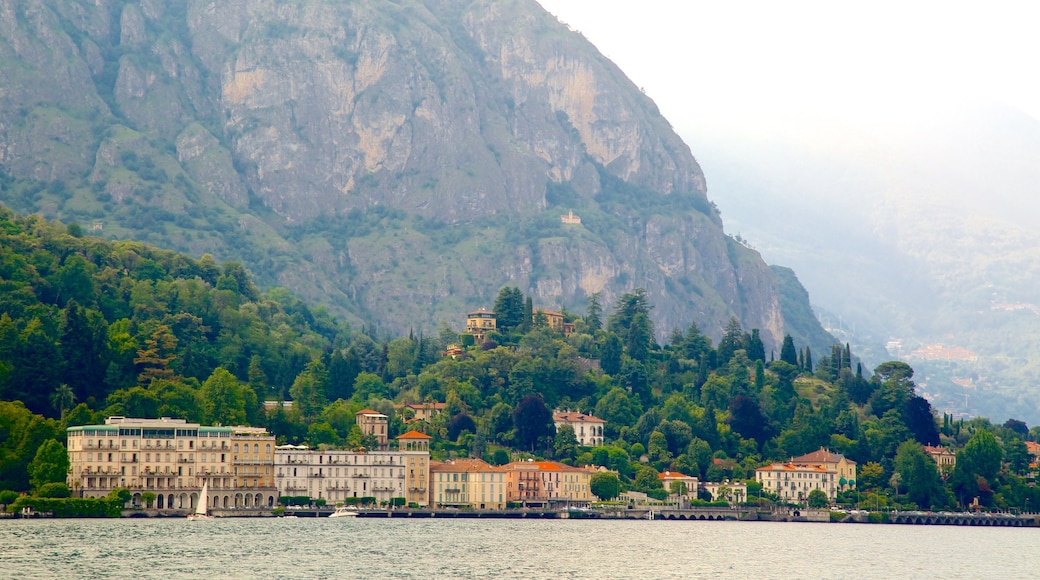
[471, 548]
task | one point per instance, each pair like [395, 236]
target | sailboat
[203, 504]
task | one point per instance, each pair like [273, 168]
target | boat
[202, 508]
[344, 512]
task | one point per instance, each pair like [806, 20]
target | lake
[472, 548]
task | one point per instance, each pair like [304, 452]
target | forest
[92, 328]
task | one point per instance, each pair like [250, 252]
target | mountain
[397, 161]
[918, 242]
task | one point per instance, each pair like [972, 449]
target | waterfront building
[252, 463]
[688, 482]
[588, 429]
[335, 475]
[731, 491]
[172, 459]
[467, 483]
[547, 484]
[793, 481]
[844, 468]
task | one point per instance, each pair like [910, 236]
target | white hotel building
[335, 475]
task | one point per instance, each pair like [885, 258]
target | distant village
[166, 464]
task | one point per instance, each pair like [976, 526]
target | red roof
[413, 434]
[368, 412]
[575, 417]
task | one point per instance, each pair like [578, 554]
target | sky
[741, 65]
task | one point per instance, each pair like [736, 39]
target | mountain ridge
[398, 162]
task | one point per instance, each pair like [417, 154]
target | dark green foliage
[509, 309]
[461, 423]
[788, 354]
[605, 485]
[533, 422]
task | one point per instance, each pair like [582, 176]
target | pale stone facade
[171, 459]
[336, 475]
[588, 429]
[467, 483]
[793, 481]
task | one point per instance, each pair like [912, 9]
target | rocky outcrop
[398, 161]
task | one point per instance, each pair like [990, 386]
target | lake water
[557, 549]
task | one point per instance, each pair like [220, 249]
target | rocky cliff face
[398, 161]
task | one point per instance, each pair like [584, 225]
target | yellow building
[547, 484]
[375, 424]
[794, 481]
[252, 464]
[845, 469]
[479, 323]
[171, 459]
[467, 483]
[416, 449]
[945, 459]
[555, 321]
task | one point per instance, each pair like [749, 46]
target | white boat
[344, 512]
[202, 508]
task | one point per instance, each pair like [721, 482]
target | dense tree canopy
[91, 328]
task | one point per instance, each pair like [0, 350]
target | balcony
[316, 475]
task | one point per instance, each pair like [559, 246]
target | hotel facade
[337, 475]
[173, 459]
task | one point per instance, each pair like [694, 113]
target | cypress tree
[788, 354]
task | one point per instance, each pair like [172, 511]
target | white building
[335, 475]
[588, 429]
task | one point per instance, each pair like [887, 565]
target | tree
[818, 499]
[631, 322]
[788, 354]
[565, 443]
[459, 424]
[610, 354]
[223, 400]
[605, 485]
[977, 466]
[732, 340]
[49, 465]
[62, 399]
[155, 358]
[594, 313]
[918, 475]
[756, 350]
[533, 422]
[617, 408]
[308, 390]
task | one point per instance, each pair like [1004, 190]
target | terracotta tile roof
[791, 467]
[575, 417]
[1032, 448]
[368, 412]
[821, 456]
[672, 475]
[460, 465]
[413, 434]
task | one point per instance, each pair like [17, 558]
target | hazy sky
[737, 63]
